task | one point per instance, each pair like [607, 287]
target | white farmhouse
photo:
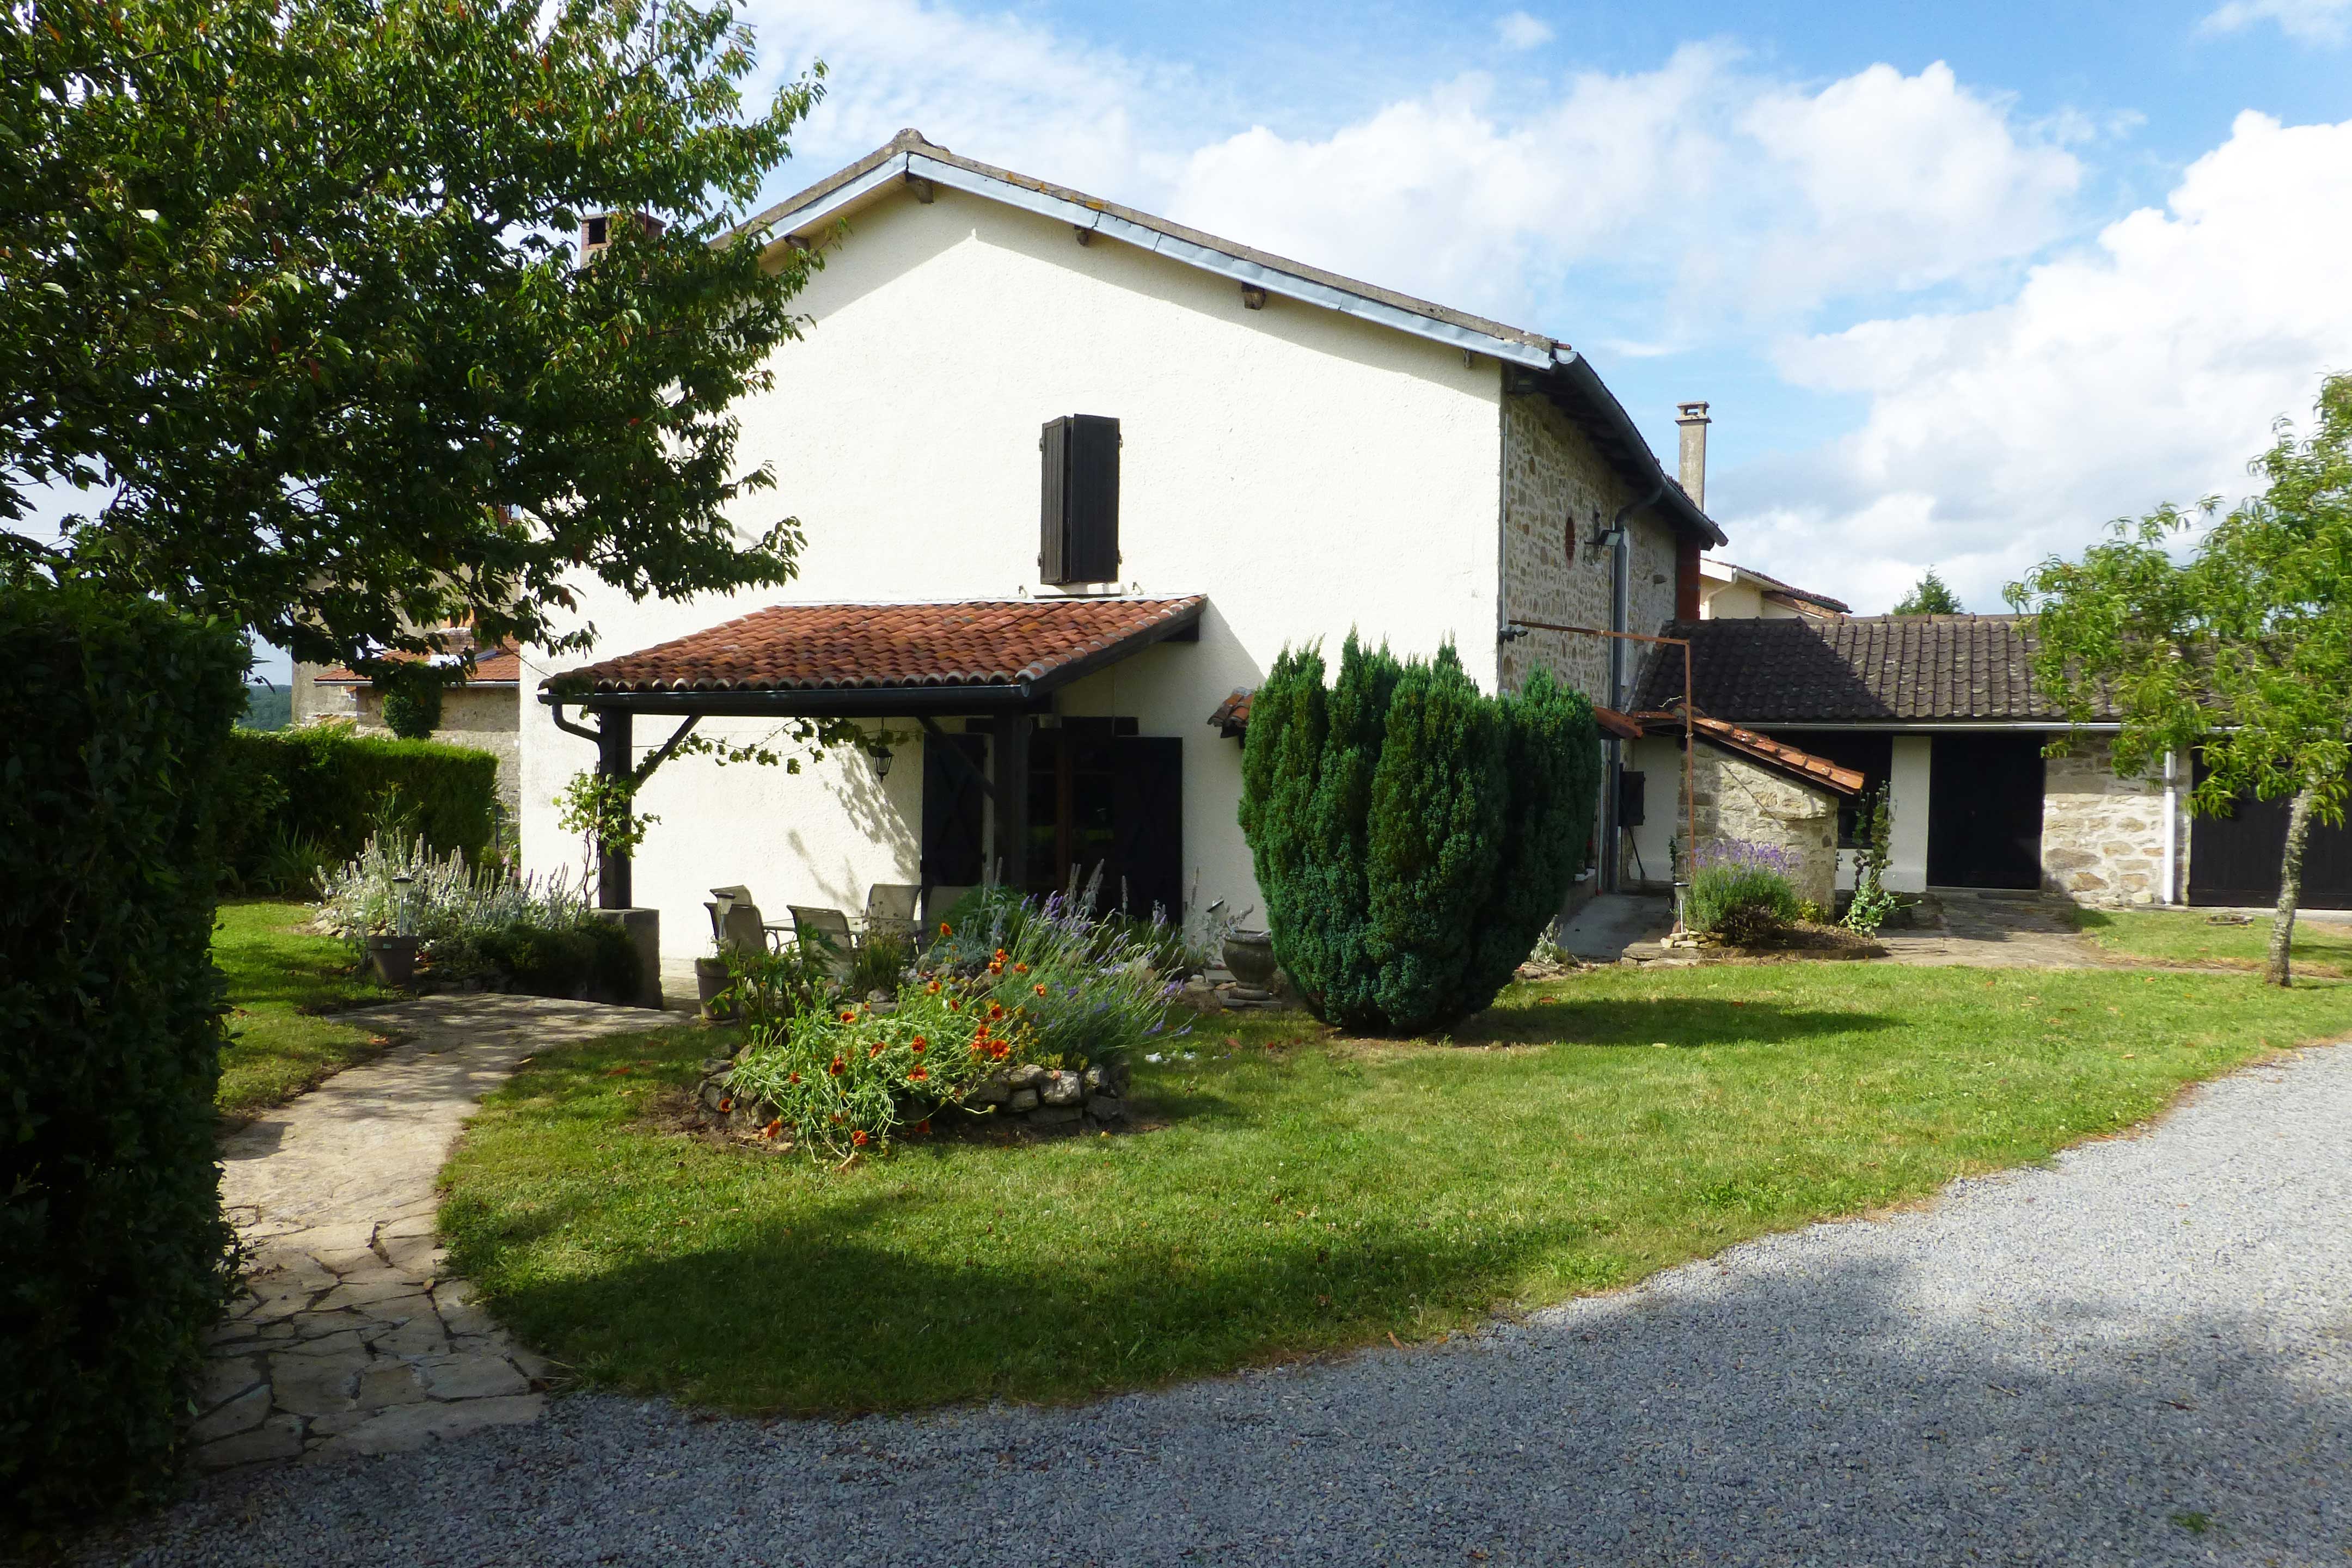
[1072, 476]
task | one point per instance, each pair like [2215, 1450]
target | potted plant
[392, 953]
[710, 983]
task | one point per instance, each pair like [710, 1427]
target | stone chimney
[1692, 418]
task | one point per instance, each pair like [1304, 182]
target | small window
[599, 229]
[1078, 536]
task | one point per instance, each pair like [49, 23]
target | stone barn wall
[2102, 836]
[1739, 799]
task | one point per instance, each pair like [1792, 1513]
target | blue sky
[1961, 283]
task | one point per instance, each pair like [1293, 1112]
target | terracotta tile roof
[1868, 669]
[1762, 748]
[1615, 723]
[500, 666]
[815, 647]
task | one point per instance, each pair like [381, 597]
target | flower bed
[479, 928]
[1025, 1010]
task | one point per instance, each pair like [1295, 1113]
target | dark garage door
[2235, 859]
[1984, 810]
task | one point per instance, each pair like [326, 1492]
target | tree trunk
[2298, 828]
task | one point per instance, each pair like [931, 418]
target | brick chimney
[1692, 418]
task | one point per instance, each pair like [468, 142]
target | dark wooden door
[953, 810]
[2235, 859]
[1984, 810]
[1147, 842]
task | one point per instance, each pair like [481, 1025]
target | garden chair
[826, 932]
[736, 925]
[890, 909]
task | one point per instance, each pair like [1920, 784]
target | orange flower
[980, 1045]
[955, 1003]
[919, 1074]
[1020, 969]
[999, 1051]
[849, 1015]
[1040, 988]
[924, 1126]
[772, 1128]
[858, 1137]
[933, 988]
[725, 1104]
[1002, 955]
[876, 1050]
[836, 1068]
[919, 1045]
[946, 930]
[796, 1077]
[995, 1011]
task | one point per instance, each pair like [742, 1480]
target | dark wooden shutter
[1078, 526]
[952, 811]
[1149, 855]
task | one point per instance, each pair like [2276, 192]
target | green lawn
[1305, 1194]
[280, 978]
[2187, 936]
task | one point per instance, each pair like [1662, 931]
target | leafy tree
[288, 287]
[1930, 597]
[2242, 653]
[412, 701]
[1412, 835]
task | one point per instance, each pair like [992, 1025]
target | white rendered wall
[1309, 472]
[1906, 794]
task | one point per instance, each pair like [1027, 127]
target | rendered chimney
[1692, 418]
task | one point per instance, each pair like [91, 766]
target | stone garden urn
[1250, 955]
[392, 957]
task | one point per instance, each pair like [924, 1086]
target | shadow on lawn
[818, 1318]
[1676, 1020]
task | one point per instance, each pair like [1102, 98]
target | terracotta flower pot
[394, 958]
[1250, 955]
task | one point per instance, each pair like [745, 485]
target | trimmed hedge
[328, 785]
[1412, 835]
[114, 1256]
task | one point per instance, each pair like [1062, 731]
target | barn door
[2233, 860]
[1984, 810]
[1147, 845]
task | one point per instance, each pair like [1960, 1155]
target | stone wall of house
[2102, 836]
[483, 717]
[1558, 492]
[1739, 799]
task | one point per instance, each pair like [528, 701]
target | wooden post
[1010, 767]
[616, 759]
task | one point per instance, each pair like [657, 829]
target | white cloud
[995, 88]
[1754, 196]
[1518, 30]
[2147, 368]
[2313, 21]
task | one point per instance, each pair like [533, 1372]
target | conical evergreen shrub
[1412, 835]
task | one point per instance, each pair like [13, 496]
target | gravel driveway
[2142, 1354]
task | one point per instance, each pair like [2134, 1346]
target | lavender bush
[1741, 890]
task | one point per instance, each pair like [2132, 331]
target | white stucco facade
[1310, 473]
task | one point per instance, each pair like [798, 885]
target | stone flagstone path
[350, 1335]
